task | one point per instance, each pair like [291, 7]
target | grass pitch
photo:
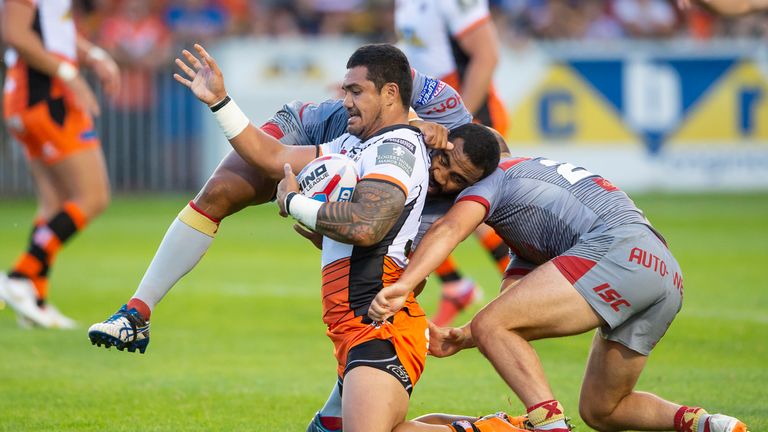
[239, 343]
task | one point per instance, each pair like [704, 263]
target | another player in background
[48, 107]
[456, 41]
[585, 257]
[728, 7]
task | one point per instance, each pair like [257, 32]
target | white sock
[181, 249]
[332, 407]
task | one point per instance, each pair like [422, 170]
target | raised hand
[205, 78]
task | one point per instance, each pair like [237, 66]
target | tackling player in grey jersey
[299, 123]
[585, 257]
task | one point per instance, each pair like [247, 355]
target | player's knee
[484, 328]
[595, 415]
[218, 197]
[94, 201]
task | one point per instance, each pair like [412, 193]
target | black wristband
[288, 199]
[220, 105]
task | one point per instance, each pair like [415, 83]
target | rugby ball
[329, 178]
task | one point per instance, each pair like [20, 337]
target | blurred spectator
[646, 18]
[599, 22]
[335, 14]
[556, 19]
[140, 43]
[196, 21]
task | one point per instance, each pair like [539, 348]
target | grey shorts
[630, 278]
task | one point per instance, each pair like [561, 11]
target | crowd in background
[154, 115]
[168, 22]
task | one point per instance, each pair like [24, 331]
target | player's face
[452, 171]
[362, 101]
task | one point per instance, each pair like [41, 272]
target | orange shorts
[52, 130]
[406, 332]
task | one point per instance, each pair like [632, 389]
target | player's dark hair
[385, 64]
[480, 146]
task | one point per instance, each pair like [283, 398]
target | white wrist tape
[97, 54]
[230, 117]
[303, 209]
[66, 71]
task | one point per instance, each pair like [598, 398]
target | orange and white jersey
[353, 275]
[25, 86]
[427, 31]
[55, 25]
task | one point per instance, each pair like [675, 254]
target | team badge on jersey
[396, 154]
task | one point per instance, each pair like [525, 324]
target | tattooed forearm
[365, 220]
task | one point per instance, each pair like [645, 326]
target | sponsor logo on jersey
[395, 154]
[431, 89]
[405, 143]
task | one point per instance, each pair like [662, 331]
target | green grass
[239, 343]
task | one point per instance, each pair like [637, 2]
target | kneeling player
[597, 263]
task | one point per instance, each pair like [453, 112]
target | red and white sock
[691, 419]
[548, 416]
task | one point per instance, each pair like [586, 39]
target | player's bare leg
[533, 308]
[609, 400]
[363, 413]
[71, 192]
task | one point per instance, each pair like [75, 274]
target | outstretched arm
[441, 239]
[205, 80]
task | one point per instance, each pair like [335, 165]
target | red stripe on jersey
[516, 272]
[573, 267]
[507, 164]
[605, 184]
[478, 199]
[273, 130]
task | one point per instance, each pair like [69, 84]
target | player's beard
[364, 129]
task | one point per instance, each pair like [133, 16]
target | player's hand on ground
[287, 185]
[107, 71]
[435, 135]
[204, 76]
[82, 96]
[315, 237]
[447, 341]
[388, 302]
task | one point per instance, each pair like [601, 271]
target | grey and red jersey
[299, 123]
[541, 207]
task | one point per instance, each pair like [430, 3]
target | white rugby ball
[329, 178]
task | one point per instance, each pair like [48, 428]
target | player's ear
[391, 92]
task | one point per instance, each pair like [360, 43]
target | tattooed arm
[364, 221]
[375, 207]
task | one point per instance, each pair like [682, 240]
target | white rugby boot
[21, 295]
[57, 319]
[126, 329]
[724, 423]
